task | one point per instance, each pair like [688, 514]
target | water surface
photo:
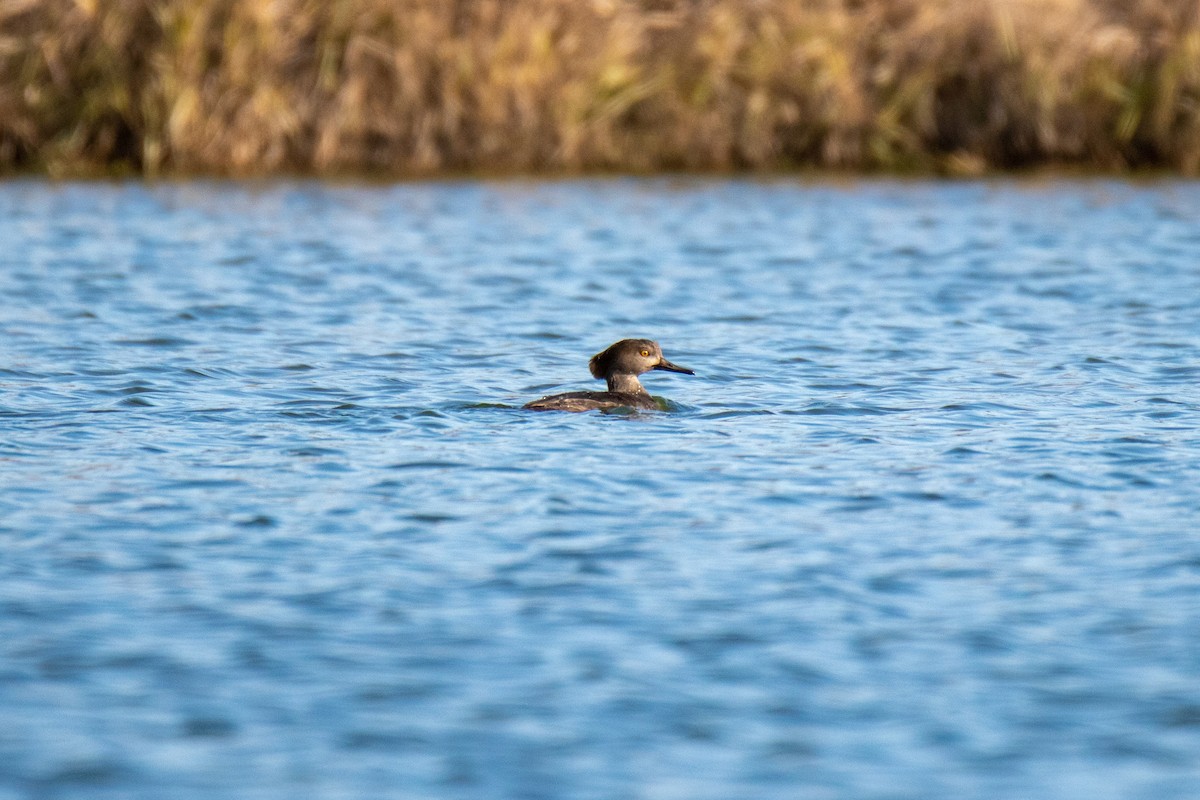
[924, 524]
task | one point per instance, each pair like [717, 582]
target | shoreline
[414, 89]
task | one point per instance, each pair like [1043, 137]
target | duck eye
[644, 352]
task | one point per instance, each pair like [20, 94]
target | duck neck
[625, 382]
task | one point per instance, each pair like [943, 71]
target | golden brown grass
[409, 87]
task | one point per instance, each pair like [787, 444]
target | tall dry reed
[407, 87]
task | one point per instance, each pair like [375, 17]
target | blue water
[925, 524]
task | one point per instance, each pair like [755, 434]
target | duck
[619, 365]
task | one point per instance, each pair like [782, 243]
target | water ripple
[922, 524]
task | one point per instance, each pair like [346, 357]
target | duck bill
[669, 367]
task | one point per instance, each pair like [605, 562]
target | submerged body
[619, 366]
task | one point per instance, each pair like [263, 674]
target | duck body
[619, 366]
[593, 401]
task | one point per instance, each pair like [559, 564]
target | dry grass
[409, 87]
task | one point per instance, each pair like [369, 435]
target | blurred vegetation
[413, 87]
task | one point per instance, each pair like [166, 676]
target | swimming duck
[619, 365]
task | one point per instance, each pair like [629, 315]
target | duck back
[592, 401]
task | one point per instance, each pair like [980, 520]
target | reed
[419, 87]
